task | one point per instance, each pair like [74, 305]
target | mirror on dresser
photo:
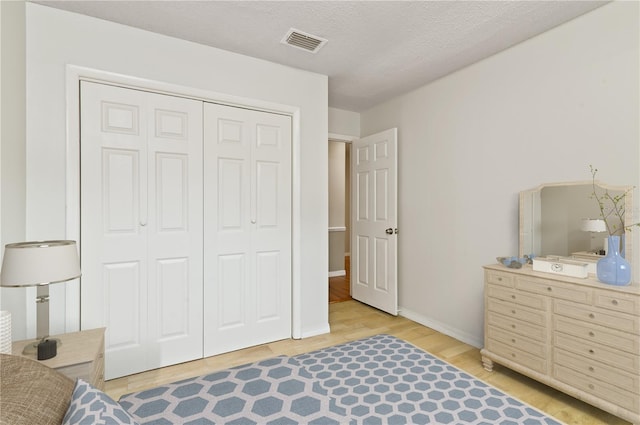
[552, 220]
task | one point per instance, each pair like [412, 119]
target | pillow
[91, 406]
[32, 393]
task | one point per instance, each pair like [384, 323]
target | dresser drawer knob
[549, 288]
[513, 326]
[592, 334]
[614, 302]
[591, 351]
[513, 340]
[591, 369]
[513, 297]
[513, 312]
[513, 355]
[592, 316]
[591, 386]
[499, 279]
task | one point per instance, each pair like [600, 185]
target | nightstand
[81, 355]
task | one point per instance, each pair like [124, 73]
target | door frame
[348, 140]
[74, 74]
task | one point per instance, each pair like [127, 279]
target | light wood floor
[352, 320]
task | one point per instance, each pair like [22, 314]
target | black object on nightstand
[47, 349]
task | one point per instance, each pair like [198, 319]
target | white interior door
[141, 226]
[374, 210]
[247, 290]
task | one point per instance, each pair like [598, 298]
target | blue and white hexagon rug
[377, 380]
[273, 391]
[385, 380]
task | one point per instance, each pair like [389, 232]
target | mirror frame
[526, 203]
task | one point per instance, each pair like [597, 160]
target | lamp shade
[593, 225]
[39, 263]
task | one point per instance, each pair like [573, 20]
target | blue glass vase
[613, 269]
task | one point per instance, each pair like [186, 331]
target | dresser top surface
[527, 270]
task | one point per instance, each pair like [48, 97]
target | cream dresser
[81, 355]
[579, 336]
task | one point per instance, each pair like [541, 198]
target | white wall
[12, 145]
[56, 38]
[344, 123]
[541, 111]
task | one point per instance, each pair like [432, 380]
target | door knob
[389, 231]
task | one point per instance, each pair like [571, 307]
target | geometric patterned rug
[274, 391]
[376, 380]
[383, 379]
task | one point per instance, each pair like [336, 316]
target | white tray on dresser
[577, 335]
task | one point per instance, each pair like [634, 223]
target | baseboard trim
[338, 273]
[441, 327]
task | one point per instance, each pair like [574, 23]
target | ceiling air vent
[303, 40]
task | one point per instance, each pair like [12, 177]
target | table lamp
[594, 225]
[39, 264]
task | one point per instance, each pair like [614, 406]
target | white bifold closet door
[141, 226]
[247, 227]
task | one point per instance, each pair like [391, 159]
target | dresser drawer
[625, 303]
[517, 341]
[608, 392]
[517, 326]
[499, 278]
[598, 334]
[597, 352]
[619, 378]
[98, 375]
[564, 291]
[80, 370]
[510, 309]
[517, 356]
[598, 316]
[528, 300]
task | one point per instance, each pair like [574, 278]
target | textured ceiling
[376, 49]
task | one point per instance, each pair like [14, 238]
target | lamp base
[32, 348]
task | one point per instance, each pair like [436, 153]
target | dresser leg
[487, 363]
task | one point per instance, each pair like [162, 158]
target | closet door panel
[122, 287]
[113, 245]
[173, 298]
[271, 239]
[172, 177]
[141, 226]
[267, 278]
[120, 196]
[247, 215]
[174, 225]
[230, 304]
[267, 194]
[231, 208]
